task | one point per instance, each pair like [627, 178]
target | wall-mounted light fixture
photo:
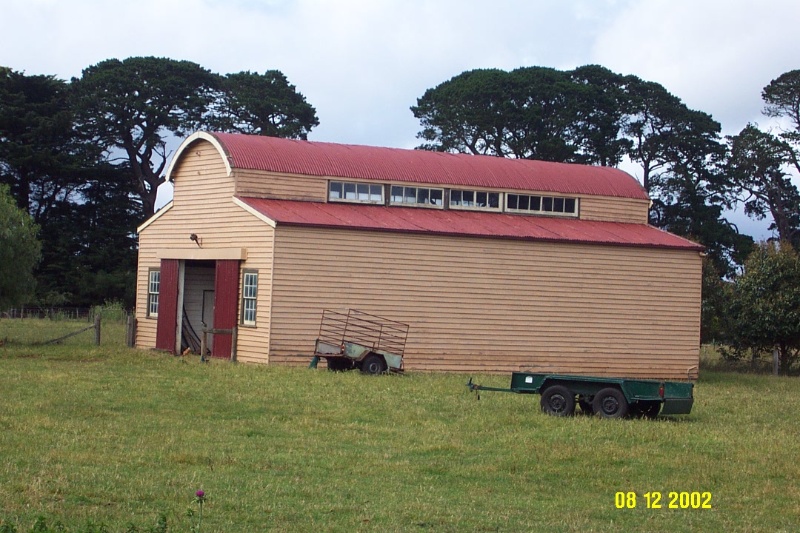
[197, 240]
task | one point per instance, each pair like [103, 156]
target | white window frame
[543, 200]
[416, 196]
[153, 291]
[249, 297]
[475, 194]
[360, 192]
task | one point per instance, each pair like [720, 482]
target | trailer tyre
[557, 400]
[373, 364]
[610, 403]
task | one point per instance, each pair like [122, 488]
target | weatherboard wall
[285, 186]
[203, 205]
[491, 305]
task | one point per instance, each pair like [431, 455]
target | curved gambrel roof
[346, 161]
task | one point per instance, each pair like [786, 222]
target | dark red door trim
[226, 305]
[167, 325]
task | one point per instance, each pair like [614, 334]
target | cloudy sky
[363, 63]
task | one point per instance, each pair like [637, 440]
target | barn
[495, 264]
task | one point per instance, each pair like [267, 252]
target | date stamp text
[659, 500]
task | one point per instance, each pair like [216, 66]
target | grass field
[117, 436]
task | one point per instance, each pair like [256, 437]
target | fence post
[130, 331]
[234, 340]
[776, 362]
[97, 329]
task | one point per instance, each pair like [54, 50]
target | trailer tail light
[661, 391]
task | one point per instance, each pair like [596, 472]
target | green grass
[117, 436]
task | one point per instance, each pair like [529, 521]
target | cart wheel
[373, 364]
[610, 403]
[557, 400]
[586, 405]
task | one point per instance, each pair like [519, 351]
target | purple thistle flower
[200, 494]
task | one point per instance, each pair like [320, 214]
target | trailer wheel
[610, 403]
[373, 364]
[557, 400]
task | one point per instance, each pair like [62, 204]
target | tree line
[84, 158]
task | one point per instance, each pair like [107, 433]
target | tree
[592, 115]
[692, 215]
[543, 115]
[41, 158]
[76, 198]
[132, 106]
[521, 114]
[661, 131]
[20, 252]
[782, 99]
[599, 115]
[89, 253]
[760, 164]
[756, 171]
[264, 104]
[714, 318]
[461, 115]
[686, 181]
[765, 305]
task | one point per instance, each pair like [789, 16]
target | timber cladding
[476, 304]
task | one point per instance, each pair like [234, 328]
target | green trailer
[606, 397]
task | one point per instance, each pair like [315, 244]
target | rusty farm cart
[354, 339]
[606, 397]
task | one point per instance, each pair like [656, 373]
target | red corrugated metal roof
[465, 223]
[419, 166]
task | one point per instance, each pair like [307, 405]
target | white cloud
[363, 63]
[715, 55]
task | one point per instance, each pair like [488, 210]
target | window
[460, 199]
[249, 296]
[417, 196]
[525, 203]
[153, 288]
[339, 191]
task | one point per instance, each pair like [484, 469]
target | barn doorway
[198, 303]
[198, 294]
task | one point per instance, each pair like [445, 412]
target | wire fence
[113, 313]
[35, 326]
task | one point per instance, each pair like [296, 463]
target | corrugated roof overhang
[464, 223]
